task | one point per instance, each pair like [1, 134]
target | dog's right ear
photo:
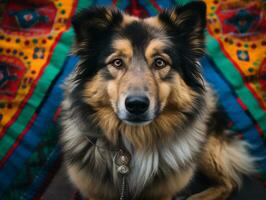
[187, 24]
[94, 22]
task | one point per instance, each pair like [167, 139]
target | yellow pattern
[254, 44]
[27, 45]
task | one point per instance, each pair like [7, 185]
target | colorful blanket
[236, 46]
[35, 38]
[34, 43]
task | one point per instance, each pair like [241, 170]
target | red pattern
[10, 25]
[15, 68]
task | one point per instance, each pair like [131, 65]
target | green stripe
[262, 173]
[182, 2]
[83, 4]
[56, 63]
[118, 3]
[150, 6]
[235, 79]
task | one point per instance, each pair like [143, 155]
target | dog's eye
[117, 63]
[159, 63]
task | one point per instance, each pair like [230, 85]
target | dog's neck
[121, 161]
[173, 154]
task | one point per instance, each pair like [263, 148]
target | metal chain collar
[122, 160]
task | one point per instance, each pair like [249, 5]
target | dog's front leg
[219, 192]
[167, 198]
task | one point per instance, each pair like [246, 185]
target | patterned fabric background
[35, 38]
[236, 44]
[34, 42]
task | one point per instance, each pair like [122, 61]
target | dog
[138, 117]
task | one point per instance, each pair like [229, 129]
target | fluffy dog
[138, 88]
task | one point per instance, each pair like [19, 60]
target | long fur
[184, 134]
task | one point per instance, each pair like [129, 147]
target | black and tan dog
[138, 87]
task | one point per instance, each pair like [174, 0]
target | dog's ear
[187, 24]
[94, 22]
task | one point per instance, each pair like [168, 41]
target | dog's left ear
[187, 25]
[94, 23]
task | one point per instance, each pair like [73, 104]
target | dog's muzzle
[137, 105]
[136, 110]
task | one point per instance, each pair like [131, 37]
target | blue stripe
[42, 175]
[123, 4]
[236, 113]
[148, 7]
[103, 2]
[39, 128]
[165, 4]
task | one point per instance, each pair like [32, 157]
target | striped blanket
[35, 39]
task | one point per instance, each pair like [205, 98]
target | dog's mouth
[137, 121]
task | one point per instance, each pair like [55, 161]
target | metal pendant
[122, 160]
[123, 169]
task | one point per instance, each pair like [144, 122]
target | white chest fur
[172, 155]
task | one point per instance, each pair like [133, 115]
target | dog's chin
[137, 122]
[133, 120]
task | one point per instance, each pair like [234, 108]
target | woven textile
[34, 42]
[236, 44]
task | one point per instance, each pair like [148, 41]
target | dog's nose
[137, 104]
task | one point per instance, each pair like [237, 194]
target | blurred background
[35, 40]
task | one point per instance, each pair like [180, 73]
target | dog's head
[140, 76]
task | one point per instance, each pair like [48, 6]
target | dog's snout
[137, 104]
